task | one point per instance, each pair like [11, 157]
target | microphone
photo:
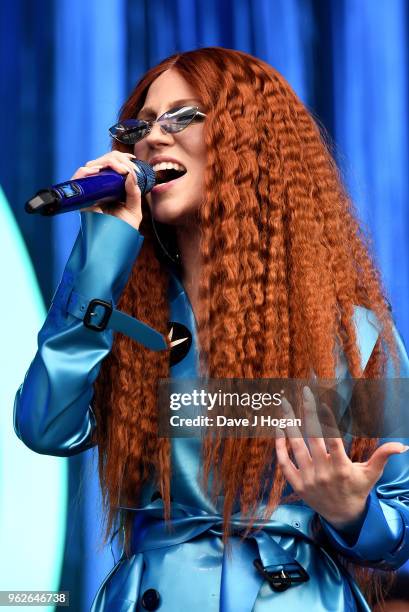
[106, 186]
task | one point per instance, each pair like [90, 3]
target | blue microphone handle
[106, 186]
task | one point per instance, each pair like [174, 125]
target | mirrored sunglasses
[130, 131]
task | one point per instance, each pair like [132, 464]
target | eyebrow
[149, 111]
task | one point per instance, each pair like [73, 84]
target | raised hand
[324, 476]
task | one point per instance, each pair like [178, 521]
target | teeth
[168, 166]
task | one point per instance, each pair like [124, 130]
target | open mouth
[167, 171]
[170, 174]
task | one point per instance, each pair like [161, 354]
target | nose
[158, 136]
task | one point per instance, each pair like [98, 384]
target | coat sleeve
[380, 538]
[52, 413]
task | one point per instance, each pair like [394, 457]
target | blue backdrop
[67, 67]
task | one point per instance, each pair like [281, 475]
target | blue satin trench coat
[186, 568]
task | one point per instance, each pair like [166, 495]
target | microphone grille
[145, 175]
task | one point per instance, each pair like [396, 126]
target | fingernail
[306, 391]
[405, 448]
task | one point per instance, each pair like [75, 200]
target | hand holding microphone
[130, 210]
[102, 187]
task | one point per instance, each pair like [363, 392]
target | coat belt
[242, 572]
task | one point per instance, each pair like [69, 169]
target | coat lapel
[182, 330]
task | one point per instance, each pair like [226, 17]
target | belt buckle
[108, 308]
[280, 580]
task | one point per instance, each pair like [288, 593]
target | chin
[168, 213]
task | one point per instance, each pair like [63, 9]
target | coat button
[150, 599]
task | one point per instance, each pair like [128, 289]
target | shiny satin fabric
[188, 566]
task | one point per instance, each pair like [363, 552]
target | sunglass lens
[129, 131]
[179, 119]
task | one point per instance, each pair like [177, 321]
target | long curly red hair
[284, 262]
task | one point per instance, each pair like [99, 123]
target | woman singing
[248, 258]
